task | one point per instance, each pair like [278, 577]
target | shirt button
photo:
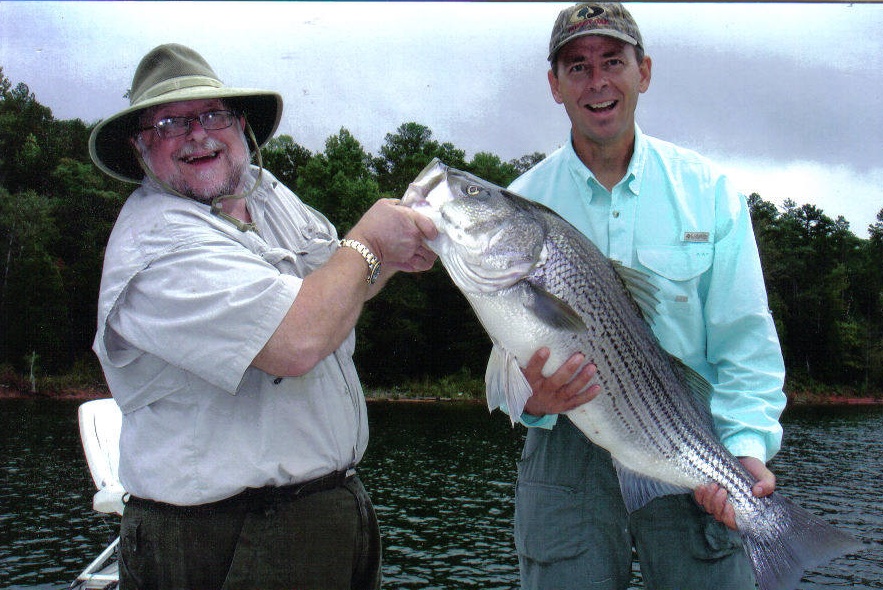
[615, 214]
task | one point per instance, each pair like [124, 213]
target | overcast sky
[787, 97]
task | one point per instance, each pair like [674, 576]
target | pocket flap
[677, 263]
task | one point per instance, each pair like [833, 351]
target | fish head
[487, 239]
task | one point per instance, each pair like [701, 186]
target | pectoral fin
[551, 310]
[505, 383]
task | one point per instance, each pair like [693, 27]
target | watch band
[370, 258]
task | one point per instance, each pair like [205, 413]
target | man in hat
[225, 331]
[671, 214]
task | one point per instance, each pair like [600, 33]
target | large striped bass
[534, 280]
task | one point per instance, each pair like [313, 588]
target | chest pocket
[677, 271]
[677, 263]
[310, 252]
[282, 259]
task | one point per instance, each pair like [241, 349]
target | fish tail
[799, 541]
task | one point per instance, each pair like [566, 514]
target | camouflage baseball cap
[610, 19]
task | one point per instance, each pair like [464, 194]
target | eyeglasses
[177, 126]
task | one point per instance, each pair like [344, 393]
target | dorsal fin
[700, 389]
[641, 289]
[698, 385]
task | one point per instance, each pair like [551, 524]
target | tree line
[57, 209]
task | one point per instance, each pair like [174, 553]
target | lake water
[441, 476]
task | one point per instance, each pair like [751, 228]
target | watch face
[374, 272]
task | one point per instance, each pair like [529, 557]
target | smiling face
[598, 80]
[199, 164]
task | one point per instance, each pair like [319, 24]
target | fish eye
[473, 190]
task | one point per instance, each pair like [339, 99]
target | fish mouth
[491, 270]
[418, 192]
[474, 275]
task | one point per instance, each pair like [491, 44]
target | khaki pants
[328, 540]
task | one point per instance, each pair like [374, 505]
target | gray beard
[232, 185]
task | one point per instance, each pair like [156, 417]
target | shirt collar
[633, 176]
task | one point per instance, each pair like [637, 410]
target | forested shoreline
[825, 284]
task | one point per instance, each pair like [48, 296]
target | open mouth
[199, 158]
[602, 107]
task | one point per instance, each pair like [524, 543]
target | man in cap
[225, 331]
[671, 214]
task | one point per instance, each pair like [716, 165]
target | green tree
[811, 321]
[876, 231]
[338, 181]
[284, 158]
[489, 167]
[33, 312]
[68, 139]
[822, 290]
[765, 221]
[85, 211]
[870, 305]
[406, 152]
[528, 161]
[24, 137]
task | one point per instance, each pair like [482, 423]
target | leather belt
[261, 495]
[320, 484]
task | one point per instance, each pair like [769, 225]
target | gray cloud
[760, 87]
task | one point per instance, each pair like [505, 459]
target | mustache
[209, 144]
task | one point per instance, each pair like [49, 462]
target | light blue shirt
[678, 219]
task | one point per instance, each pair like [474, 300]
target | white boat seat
[100, 423]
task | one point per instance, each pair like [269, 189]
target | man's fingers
[426, 227]
[533, 371]
[565, 373]
[713, 499]
[587, 394]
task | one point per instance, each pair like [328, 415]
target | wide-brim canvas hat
[172, 73]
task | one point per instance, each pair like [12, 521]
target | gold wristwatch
[370, 258]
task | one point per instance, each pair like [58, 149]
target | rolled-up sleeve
[208, 287]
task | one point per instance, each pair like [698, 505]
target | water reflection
[47, 526]
[831, 464]
[442, 477]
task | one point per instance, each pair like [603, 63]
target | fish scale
[533, 281]
[631, 366]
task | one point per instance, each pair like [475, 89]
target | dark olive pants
[572, 530]
[328, 540]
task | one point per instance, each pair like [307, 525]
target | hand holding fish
[563, 390]
[533, 278]
[396, 236]
[713, 498]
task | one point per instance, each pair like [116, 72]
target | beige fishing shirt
[187, 300]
